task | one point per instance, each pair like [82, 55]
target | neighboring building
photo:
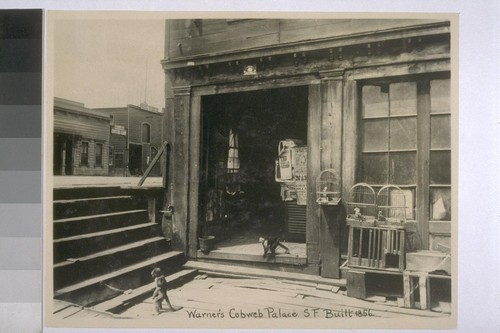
[136, 137]
[369, 97]
[81, 140]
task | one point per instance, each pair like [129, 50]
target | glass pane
[403, 133]
[375, 102]
[440, 96]
[375, 168]
[403, 98]
[375, 136]
[403, 168]
[440, 132]
[410, 203]
[440, 167]
[440, 204]
[407, 200]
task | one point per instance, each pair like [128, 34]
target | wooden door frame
[196, 93]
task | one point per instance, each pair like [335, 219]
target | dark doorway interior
[245, 128]
[63, 154]
[135, 159]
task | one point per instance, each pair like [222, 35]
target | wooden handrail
[153, 162]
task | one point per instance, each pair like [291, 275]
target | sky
[109, 62]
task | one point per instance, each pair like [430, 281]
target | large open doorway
[240, 199]
[135, 159]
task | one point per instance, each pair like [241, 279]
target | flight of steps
[106, 243]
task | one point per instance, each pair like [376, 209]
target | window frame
[149, 132]
[111, 156]
[84, 161]
[423, 186]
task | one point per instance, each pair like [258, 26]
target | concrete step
[107, 286]
[98, 205]
[83, 245]
[235, 271]
[122, 302]
[74, 270]
[87, 224]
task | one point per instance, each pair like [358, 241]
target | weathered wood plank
[331, 145]
[313, 169]
[438, 227]
[207, 268]
[181, 172]
[423, 157]
[194, 176]
[350, 136]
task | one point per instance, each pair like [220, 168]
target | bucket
[206, 244]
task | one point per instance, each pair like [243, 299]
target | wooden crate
[376, 247]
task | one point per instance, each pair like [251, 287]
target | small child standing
[160, 292]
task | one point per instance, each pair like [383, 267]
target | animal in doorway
[270, 244]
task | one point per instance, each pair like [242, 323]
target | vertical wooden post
[407, 287]
[194, 175]
[331, 158]
[181, 146]
[350, 137]
[423, 157]
[152, 209]
[422, 286]
[313, 166]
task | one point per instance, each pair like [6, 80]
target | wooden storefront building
[81, 140]
[135, 138]
[368, 98]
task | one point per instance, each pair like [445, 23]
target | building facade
[135, 138]
[368, 98]
[81, 140]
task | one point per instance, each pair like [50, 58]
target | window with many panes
[111, 157]
[440, 151]
[404, 124]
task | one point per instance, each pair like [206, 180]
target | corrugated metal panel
[296, 221]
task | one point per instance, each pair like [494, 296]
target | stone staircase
[106, 242]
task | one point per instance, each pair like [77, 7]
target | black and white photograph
[251, 171]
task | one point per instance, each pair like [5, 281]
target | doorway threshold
[250, 250]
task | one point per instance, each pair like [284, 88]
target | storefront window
[390, 142]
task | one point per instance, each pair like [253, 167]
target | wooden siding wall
[87, 128]
[196, 37]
